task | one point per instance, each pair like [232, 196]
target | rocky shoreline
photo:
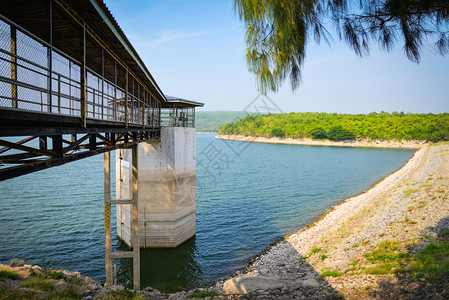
[337, 256]
[360, 142]
[333, 257]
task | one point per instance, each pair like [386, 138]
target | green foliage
[330, 273]
[431, 263]
[204, 293]
[380, 269]
[312, 252]
[276, 132]
[68, 293]
[6, 274]
[55, 275]
[387, 251]
[376, 126]
[38, 283]
[318, 133]
[338, 133]
[277, 31]
[209, 121]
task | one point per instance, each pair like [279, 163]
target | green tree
[277, 31]
[338, 133]
[276, 132]
[318, 133]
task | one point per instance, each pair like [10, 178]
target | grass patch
[385, 268]
[330, 273]
[431, 263]
[6, 274]
[410, 191]
[204, 293]
[55, 275]
[312, 252]
[74, 281]
[69, 293]
[387, 251]
[38, 283]
[323, 257]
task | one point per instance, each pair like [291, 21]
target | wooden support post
[49, 80]
[115, 275]
[57, 145]
[159, 117]
[107, 217]
[71, 106]
[43, 143]
[59, 94]
[83, 83]
[14, 103]
[50, 59]
[135, 217]
[126, 99]
[115, 91]
[102, 84]
[132, 102]
[153, 103]
[92, 142]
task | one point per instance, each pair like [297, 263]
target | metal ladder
[108, 201]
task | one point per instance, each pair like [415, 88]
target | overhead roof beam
[125, 44]
[77, 18]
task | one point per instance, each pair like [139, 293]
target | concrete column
[166, 189]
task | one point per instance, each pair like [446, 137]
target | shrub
[338, 133]
[6, 274]
[330, 273]
[276, 132]
[318, 133]
[38, 283]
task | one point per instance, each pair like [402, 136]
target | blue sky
[195, 50]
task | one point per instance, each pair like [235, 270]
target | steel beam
[135, 217]
[14, 67]
[107, 217]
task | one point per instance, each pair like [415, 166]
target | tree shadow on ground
[280, 272]
[426, 271]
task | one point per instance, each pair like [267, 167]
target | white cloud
[167, 38]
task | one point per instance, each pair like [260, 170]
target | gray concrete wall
[166, 189]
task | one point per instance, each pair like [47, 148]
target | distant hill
[209, 121]
[382, 126]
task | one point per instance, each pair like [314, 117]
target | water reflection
[164, 269]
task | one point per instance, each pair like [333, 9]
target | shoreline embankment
[339, 255]
[361, 142]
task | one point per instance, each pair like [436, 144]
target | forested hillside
[379, 126]
[209, 121]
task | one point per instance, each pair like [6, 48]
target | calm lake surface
[248, 195]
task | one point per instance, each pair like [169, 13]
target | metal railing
[178, 117]
[35, 76]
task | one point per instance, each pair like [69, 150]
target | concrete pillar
[166, 189]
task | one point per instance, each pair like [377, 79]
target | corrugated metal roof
[186, 102]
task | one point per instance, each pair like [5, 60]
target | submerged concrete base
[166, 189]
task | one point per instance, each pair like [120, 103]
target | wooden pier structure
[73, 86]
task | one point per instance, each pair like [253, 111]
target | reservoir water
[248, 195]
